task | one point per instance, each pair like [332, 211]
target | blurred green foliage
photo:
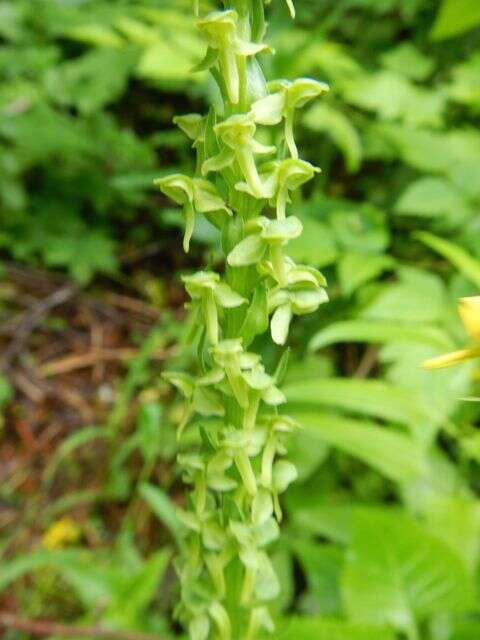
[383, 527]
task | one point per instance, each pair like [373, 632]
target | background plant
[393, 222]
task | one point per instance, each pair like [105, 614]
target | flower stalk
[232, 405]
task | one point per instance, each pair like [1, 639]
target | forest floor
[66, 353]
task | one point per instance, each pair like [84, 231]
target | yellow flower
[61, 533]
[469, 310]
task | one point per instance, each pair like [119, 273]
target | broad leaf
[379, 332]
[335, 124]
[324, 629]
[394, 454]
[163, 508]
[397, 573]
[455, 17]
[369, 397]
[463, 261]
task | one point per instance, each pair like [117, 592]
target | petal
[177, 187]
[450, 359]
[227, 298]
[303, 90]
[206, 197]
[247, 252]
[269, 110]
[191, 124]
[236, 130]
[218, 162]
[245, 48]
[280, 324]
[220, 27]
[469, 310]
[279, 231]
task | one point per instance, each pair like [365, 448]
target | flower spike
[234, 457]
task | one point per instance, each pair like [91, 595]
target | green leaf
[409, 61]
[432, 198]
[321, 565]
[394, 97]
[19, 566]
[356, 268]
[466, 630]
[391, 453]
[248, 251]
[316, 246]
[419, 296]
[359, 227]
[463, 261]
[374, 331]
[148, 429]
[397, 573]
[324, 629]
[457, 521]
[69, 444]
[142, 587]
[465, 87]
[84, 255]
[455, 17]
[376, 398]
[334, 123]
[92, 81]
[163, 508]
[6, 392]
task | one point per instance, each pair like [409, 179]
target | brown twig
[31, 318]
[90, 359]
[133, 305]
[367, 363]
[47, 628]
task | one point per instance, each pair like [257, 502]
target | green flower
[279, 178]
[199, 399]
[267, 237]
[301, 292]
[237, 134]
[192, 125]
[226, 46]
[210, 294]
[281, 105]
[196, 195]
[262, 388]
[275, 425]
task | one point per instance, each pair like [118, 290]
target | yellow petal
[469, 310]
[449, 359]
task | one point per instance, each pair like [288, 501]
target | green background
[382, 530]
